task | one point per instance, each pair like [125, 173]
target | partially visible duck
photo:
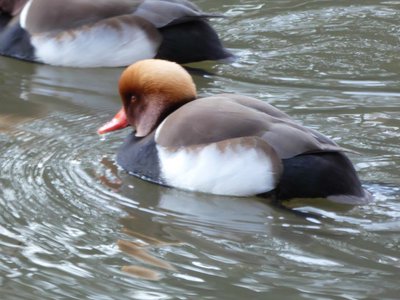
[224, 144]
[111, 33]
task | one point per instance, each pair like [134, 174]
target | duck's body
[227, 144]
[94, 33]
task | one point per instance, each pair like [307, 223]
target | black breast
[139, 157]
[15, 41]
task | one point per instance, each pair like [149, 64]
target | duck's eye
[133, 99]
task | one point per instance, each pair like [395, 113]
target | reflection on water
[73, 225]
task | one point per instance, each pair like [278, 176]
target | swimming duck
[110, 33]
[224, 144]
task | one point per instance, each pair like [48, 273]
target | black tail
[321, 175]
[191, 42]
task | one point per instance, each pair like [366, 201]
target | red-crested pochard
[225, 144]
[106, 33]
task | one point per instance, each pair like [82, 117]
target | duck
[107, 33]
[224, 144]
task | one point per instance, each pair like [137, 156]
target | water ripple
[74, 225]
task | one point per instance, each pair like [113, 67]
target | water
[74, 226]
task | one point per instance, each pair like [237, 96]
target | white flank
[96, 46]
[235, 171]
[24, 14]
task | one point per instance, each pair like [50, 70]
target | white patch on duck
[113, 42]
[236, 167]
[24, 14]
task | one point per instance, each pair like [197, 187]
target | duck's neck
[173, 107]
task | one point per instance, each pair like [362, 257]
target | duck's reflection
[52, 87]
[151, 224]
[93, 89]
[140, 245]
[142, 254]
[164, 220]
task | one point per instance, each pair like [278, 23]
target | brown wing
[273, 111]
[52, 15]
[225, 116]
